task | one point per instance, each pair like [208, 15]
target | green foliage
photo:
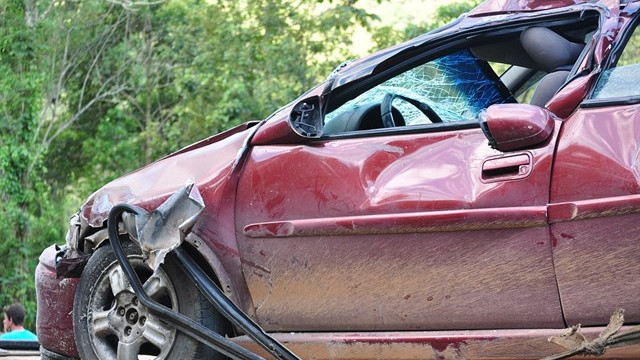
[23, 191]
[386, 36]
[92, 89]
[249, 58]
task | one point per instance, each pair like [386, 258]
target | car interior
[526, 65]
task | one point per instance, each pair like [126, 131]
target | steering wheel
[386, 108]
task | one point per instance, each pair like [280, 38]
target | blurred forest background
[92, 89]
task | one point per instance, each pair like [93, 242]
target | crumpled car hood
[206, 163]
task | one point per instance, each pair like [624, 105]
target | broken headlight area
[158, 233]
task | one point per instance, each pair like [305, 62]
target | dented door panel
[395, 233]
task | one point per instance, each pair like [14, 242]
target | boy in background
[12, 323]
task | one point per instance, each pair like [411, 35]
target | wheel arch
[210, 262]
[202, 254]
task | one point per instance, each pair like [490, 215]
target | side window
[452, 88]
[621, 80]
[450, 91]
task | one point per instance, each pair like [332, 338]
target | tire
[110, 323]
[50, 355]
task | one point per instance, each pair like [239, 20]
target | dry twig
[577, 344]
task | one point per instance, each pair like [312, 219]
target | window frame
[429, 52]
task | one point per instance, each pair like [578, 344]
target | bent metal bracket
[161, 231]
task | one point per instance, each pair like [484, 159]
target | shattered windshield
[457, 87]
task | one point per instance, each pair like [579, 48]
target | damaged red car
[467, 194]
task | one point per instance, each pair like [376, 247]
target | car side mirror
[516, 126]
[306, 117]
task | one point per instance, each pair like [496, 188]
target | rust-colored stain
[467, 345]
[256, 266]
[567, 236]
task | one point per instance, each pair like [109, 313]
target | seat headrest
[548, 49]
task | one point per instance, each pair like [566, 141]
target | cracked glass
[621, 81]
[457, 87]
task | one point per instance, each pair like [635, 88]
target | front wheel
[110, 323]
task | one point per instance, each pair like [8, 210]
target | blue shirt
[19, 335]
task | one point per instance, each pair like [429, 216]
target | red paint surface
[597, 265]
[598, 156]
[569, 97]
[595, 210]
[54, 322]
[214, 138]
[208, 167]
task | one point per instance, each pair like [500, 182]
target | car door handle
[506, 167]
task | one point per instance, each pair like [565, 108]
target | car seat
[553, 54]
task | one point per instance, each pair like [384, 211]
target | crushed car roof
[502, 6]
[500, 11]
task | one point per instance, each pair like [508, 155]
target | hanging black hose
[230, 311]
[179, 321]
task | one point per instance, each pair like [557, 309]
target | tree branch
[132, 5]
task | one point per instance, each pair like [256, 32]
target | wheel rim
[119, 326]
